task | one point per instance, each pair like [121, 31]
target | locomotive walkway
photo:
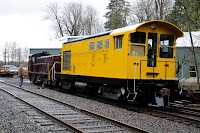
[69, 117]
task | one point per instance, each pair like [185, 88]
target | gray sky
[23, 21]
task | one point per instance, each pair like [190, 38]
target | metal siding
[182, 52]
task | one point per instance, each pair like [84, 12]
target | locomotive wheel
[100, 90]
[122, 97]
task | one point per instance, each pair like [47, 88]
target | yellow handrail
[51, 70]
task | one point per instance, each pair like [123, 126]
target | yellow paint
[117, 63]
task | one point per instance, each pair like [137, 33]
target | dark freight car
[40, 67]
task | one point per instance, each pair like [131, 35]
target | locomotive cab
[152, 63]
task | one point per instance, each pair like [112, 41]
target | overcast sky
[23, 21]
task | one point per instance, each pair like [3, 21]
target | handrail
[158, 61]
[48, 72]
[52, 72]
[134, 92]
[135, 78]
[181, 78]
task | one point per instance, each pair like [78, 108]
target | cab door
[152, 50]
[150, 67]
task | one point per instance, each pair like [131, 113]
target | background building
[185, 56]
[57, 47]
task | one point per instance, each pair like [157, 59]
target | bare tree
[13, 52]
[146, 10]
[25, 55]
[91, 22]
[8, 52]
[99, 27]
[193, 50]
[162, 8]
[72, 19]
[19, 56]
[5, 51]
[143, 10]
[53, 13]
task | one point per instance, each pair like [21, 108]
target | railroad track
[180, 107]
[69, 117]
[180, 114]
[176, 112]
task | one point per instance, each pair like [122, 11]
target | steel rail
[183, 108]
[95, 115]
[56, 120]
[196, 121]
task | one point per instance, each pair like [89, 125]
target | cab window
[166, 46]
[137, 50]
[138, 37]
[118, 42]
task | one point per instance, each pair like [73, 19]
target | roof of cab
[134, 27]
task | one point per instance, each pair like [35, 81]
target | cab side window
[118, 42]
[137, 47]
[166, 46]
[107, 43]
[138, 37]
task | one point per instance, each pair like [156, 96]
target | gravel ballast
[144, 121]
[13, 120]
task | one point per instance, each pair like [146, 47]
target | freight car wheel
[56, 82]
[53, 82]
[32, 78]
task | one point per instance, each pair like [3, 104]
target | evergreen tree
[184, 10]
[117, 14]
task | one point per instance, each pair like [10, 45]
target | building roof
[186, 42]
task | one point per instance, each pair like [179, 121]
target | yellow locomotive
[135, 63]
